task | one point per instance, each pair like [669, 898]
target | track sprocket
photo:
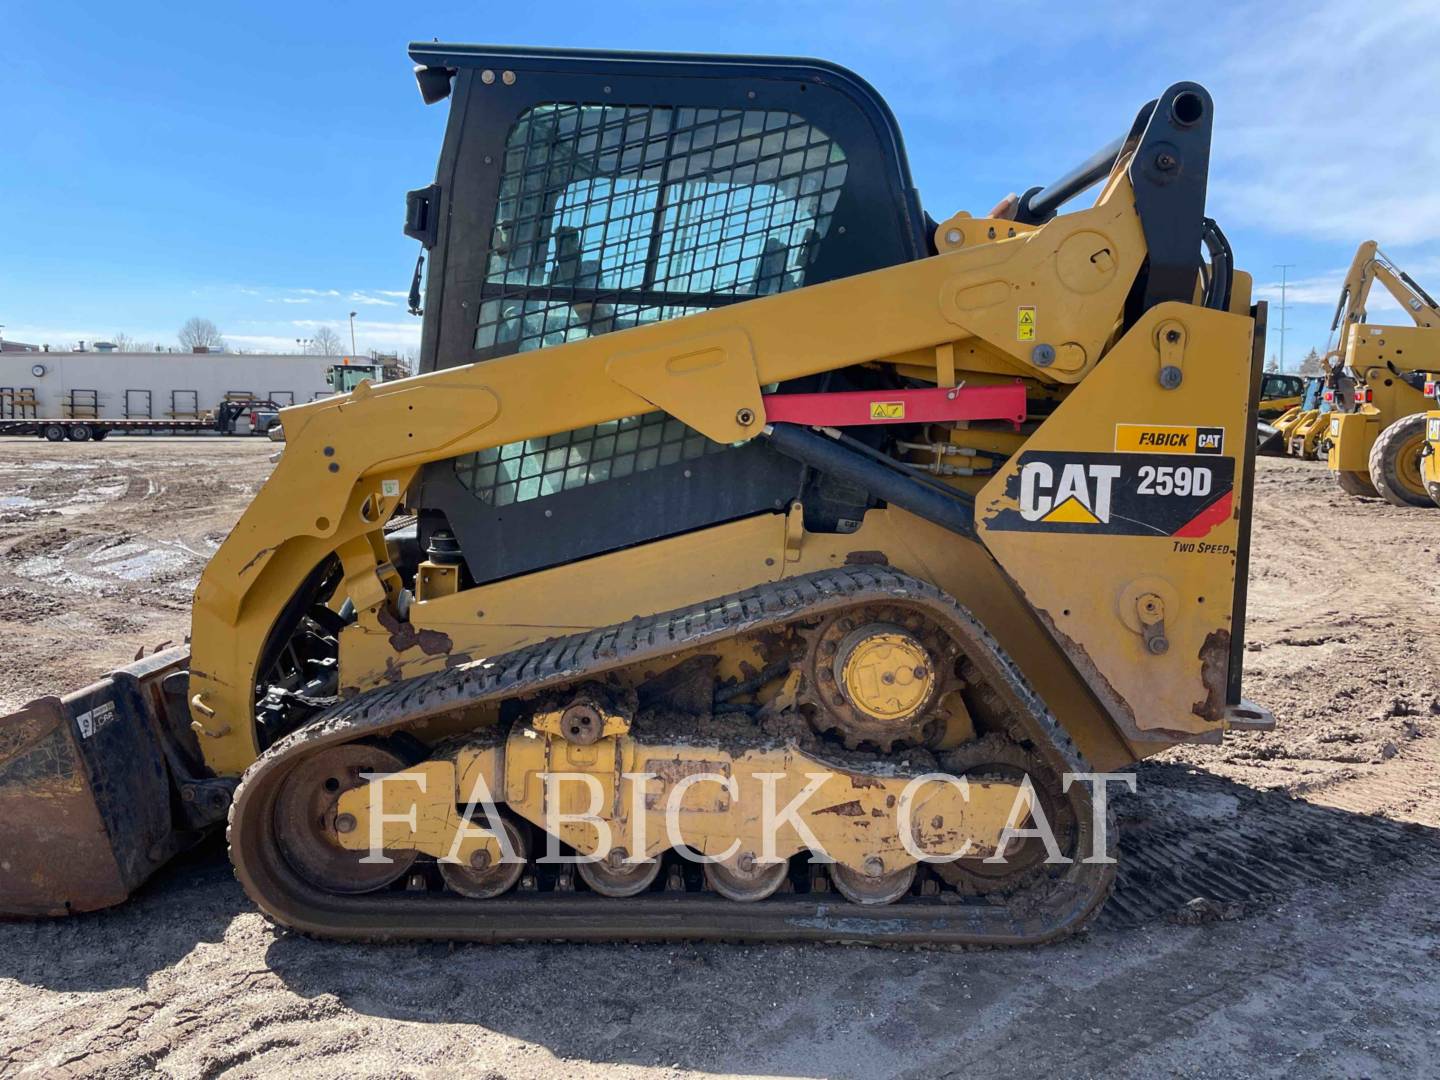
[874, 675]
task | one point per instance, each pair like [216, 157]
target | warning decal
[1169, 439]
[92, 720]
[887, 410]
[1025, 323]
[1121, 494]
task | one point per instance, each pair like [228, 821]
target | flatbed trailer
[87, 429]
[223, 421]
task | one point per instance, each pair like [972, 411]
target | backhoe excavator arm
[1369, 265]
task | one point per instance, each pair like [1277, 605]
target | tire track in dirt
[100, 545]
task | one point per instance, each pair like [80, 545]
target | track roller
[746, 879]
[486, 879]
[873, 885]
[613, 876]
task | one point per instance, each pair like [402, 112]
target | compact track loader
[1377, 433]
[1279, 394]
[741, 513]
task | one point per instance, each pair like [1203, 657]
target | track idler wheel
[307, 826]
[873, 885]
[995, 757]
[484, 878]
[613, 876]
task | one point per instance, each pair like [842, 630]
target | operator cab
[347, 376]
[579, 193]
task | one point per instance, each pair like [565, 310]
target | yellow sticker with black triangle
[1072, 511]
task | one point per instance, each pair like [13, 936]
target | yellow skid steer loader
[754, 556]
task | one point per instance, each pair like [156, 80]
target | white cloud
[1321, 135]
[367, 297]
[64, 338]
[268, 343]
[1322, 290]
[373, 335]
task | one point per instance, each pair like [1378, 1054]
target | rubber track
[1054, 909]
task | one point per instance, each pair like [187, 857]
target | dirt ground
[1312, 855]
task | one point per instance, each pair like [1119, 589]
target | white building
[156, 386]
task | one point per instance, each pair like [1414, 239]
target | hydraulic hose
[950, 511]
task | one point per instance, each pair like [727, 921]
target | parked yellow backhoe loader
[1377, 432]
[741, 512]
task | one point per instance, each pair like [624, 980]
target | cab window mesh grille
[610, 216]
[614, 216]
[519, 472]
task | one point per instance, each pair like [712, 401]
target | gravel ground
[1314, 850]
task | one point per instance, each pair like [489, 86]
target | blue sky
[248, 163]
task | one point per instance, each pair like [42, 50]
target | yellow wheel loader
[1309, 434]
[753, 557]
[1377, 432]
[1286, 422]
[1299, 428]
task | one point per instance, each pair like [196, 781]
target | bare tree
[326, 342]
[1273, 364]
[127, 344]
[198, 333]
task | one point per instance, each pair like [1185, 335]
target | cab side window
[612, 216]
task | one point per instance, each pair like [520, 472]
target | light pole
[352, 333]
[1284, 268]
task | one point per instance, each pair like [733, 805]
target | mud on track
[1314, 853]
